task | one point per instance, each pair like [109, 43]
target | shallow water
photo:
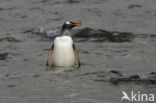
[110, 64]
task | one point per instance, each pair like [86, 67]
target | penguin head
[69, 25]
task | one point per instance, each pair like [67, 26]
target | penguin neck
[65, 32]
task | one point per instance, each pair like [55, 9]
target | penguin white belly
[63, 54]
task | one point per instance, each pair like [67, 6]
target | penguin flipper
[50, 55]
[76, 55]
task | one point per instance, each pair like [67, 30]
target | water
[109, 64]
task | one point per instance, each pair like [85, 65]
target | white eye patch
[67, 22]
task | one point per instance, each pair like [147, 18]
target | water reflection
[59, 69]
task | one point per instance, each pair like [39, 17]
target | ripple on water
[3, 56]
[132, 6]
[9, 39]
[86, 34]
[75, 1]
[116, 77]
[103, 35]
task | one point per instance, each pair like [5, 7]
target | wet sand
[108, 67]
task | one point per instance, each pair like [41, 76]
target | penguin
[63, 51]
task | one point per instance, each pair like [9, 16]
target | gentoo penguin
[63, 52]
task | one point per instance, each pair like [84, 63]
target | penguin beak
[76, 24]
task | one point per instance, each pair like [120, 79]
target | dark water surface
[116, 44]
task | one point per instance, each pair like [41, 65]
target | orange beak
[76, 24]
